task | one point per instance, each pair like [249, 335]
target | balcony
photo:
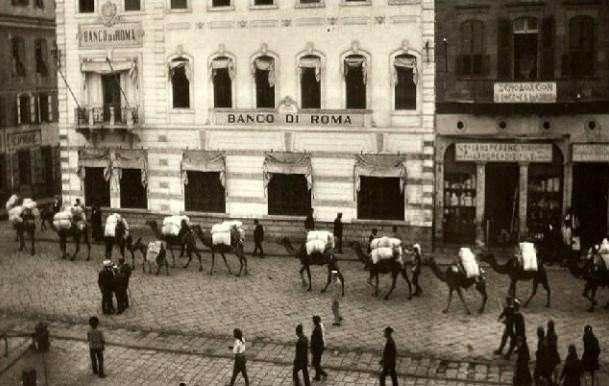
[96, 121]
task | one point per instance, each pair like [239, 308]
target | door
[590, 190]
[112, 96]
[501, 202]
[97, 189]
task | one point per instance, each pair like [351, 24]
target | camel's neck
[501, 269]
[357, 247]
[155, 230]
[288, 246]
[441, 275]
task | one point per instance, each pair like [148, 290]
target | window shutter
[15, 171]
[547, 46]
[37, 166]
[486, 65]
[565, 66]
[504, 49]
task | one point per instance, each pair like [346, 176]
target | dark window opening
[97, 189]
[179, 4]
[180, 86]
[309, 1]
[220, 3]
[133, 192]
[310, 88]
[20, 2]
[25, 112]
[472, 60]
[132, 5]
[39, 4]
[380, 198]
[581, 57]
[204, 193]
[355, 80]
[263, 2]
[112, 96]
[43, 101]
[526, 49]
[46, 153]
[25, 167]
[86, 6]
[18, 47]
[40, 55]
[222, 88]
[265, 82]
[405, 85]
[288, 194]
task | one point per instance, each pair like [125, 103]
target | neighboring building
[522, 117]
[257, 108]
[28, 99]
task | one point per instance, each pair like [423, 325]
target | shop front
[498, 191]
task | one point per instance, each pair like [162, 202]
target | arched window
[405, 82]
[310, 81]
[581, 47]
[223, 72]
[180, 75]
[355, 72]
[264, 75]
[471, 60]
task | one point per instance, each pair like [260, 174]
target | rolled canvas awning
[101, 66]
[379, 165]
[94, 158]
[131, 159]
[287, 163]
[204, 161]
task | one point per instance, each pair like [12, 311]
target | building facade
[522, 117]
[251, 109]
[29, 163]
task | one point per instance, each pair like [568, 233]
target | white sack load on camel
[319, 241]
[603, 251]
[173, 224]
[14, 214]
[528, 256]
[153, 250]
[468, 260]
[385, 248]
[62, 220]
[11, 202]
[221, 233]
[385, 242]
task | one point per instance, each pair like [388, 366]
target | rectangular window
[20, 2]
[18, 47]
[355, 82]
[86, 6]
[220, 3]
[310, 90]
[39, 4]
[405, 89]
[180, 85]
[580, 60]
[380, 198]
[204, 193]
[25, 167]
[25, 112]
[133, 192]
[40, 51]
[265, 93]
[97, 189]
[132, 5]
[263, 2]
[179, 4]
[43, 103]
[288, 194]
[310, 1]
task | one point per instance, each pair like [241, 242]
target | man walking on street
[389, 359]
[121, 285]
[301, 361]
[336, 294]
[318, 345]
[258, 238]
[338, 232]
[518, 328]
[96, 347]
[105, 281]
[506, 317]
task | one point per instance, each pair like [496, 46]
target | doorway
[112, 96]
[590, 190]
[501, 202]
[97, 189]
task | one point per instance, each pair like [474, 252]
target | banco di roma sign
[117, 35]
[316, 118]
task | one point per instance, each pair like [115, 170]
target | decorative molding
[401, 19]
[221, 24]
[109, 14]
[242, 23]
[199, 25]
[177, 26]
[286, 22]
[379, 19]
[263, 23]
[332, 20]
[306, 21]
[362, 20]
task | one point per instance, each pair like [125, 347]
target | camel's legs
[415, 282]
[546, 286]
[450, 299]
[460, 293]
[376, 284]
[199, 257]
[480, 287]
[87, 243]
[328, 280]
[342, 281]
[405, 276]
[33, 240]
[226, 262]
[21, 238]
[77, 244]
[309, 277]
[592, 298]
[394, 278]
[512, 289]
[302, 279]
[189, 254]
[63, 246]
[213, 259]
[535, 284]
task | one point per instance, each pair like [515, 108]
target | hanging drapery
[265, 64]
[311, 62]
[379, 165]
[94, 158]
[180, 63]
[203, 161]
[220, 63]
[101, 66]
[130, 159]
[354, 62]
[405, 61]
[287, 163]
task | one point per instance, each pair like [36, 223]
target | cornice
[26, 21]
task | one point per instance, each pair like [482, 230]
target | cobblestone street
[192, 314]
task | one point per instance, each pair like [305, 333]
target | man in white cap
[336, 294]
[106, 283]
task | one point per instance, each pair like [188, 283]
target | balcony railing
[111, 116]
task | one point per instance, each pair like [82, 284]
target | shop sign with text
[525, 92]
[503, 152]
[597, 152]
[318, 118]
[117, 35]
[25, 139]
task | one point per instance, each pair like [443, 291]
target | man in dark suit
[105, 281]
[318, 345]
[518, 328]
[301, 360]
[389, 359]
[338, 232]
[258, 238]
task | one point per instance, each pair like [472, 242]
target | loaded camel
[515, 271]
[236, 247]
[27, 225]
[307, 261]
[159, 259]
[184, 239]
[76, 231]
[593, 274]
[121, 237]
[391, 266]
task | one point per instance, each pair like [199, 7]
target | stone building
[251, 109]
[522, 117]
[29, 163]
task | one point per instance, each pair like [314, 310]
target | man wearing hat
[336, 294]
[518, 328]
[338, 232]
[105, 281]
[121, 285]
[389, 359]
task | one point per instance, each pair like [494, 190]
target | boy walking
[336, 294]
[258, 238]
[96, 347]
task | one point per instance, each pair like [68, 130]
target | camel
[27, 225]
[160, 261]
[185, 239]
[236, 248]
[307, 261]
[391, 266]
[456, 280]
[516, 273]
[76, 233]
[121, 241]
[595, 277]
[46, 217]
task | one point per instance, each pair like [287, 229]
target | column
[439, 201]
[480, 197]
[522, 199]
[567, 186]
[115, 188]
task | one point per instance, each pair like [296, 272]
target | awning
[94, 158]
[101, 66]
[204, 161]
[131, 159]
[311, 62]
[353, 62]
[220, 63]
[180, 63]
[287, 163]
[265, 64]
[405, 61]
[379, 165]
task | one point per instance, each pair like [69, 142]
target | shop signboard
[96, 36]
[525, 92]
[503, 152]
[322, 118]
[590, 152]
[25, 139]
